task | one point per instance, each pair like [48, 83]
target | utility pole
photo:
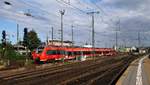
[125, 43]
[69, 1]
[52, 35]
[17, 33]
[17, 37]
[62, 12]
[116, 39]
[47, 38]
[117, 29]
[139, 39]
[93, 29]
[72, 35]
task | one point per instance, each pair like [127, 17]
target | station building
[58, 43]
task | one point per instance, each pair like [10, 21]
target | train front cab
[37, 53]
[52, 53]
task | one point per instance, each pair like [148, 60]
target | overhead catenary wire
[51, 13]
[101, 11]
[43, 10]
[82, 11]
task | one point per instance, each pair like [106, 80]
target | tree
[33, 40]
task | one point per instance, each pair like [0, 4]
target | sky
[128, 17]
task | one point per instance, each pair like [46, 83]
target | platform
[138, 73]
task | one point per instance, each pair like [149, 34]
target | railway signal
[4, 37]
[25, 38]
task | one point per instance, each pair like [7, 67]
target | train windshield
[39, 50]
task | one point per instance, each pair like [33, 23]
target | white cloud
[46, 14]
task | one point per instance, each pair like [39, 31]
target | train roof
[77, 48]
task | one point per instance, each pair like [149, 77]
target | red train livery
[58, 53]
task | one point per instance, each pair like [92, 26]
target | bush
[10, 54]
[1, 50]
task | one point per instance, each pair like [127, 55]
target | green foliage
[10, 54]
[33, 40]
[1, 50]
[66, 63]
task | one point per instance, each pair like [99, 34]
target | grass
[66, 63]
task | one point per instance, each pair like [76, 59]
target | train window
[89, 52]
[76, 53]
[70, 53]
[51, 52]
[84, 52]
[65, 53]
[81, 53]
[58, 52]
[93, 52]
[97, 52]
[61, 52]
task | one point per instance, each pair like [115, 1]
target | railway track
[35, 71]
[88, 77]
[82, 73]
[97, 77]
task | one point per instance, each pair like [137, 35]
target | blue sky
[95, 1]
[134, 17]
[10, 27]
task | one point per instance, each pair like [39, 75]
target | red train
[58, 53]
